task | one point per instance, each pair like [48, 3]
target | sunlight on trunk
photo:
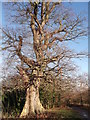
[32, 105]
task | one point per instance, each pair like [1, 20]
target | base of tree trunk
[32, 105]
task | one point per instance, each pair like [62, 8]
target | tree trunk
[32, 105]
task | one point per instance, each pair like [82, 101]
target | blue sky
[0, 41]
[81, 44]
[78, 45]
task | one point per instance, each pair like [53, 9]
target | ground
[66, 113]
[61, 113]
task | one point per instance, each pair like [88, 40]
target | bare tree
[42, 26]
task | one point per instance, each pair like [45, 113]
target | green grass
[65, 114]
[59, 114]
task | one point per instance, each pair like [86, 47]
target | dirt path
[83, 112]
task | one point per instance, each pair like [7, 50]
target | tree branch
[23, 74]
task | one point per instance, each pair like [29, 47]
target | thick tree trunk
[32, 105]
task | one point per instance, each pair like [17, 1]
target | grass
[69, 114]
[64, 113]
[58, 114]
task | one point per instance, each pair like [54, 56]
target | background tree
[42, 25]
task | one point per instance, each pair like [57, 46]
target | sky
[0, 41]
[46, 0]
[78, 45]
[81, 44]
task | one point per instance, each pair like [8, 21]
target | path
[83, 112]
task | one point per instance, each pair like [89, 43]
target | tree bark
[32, 105]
